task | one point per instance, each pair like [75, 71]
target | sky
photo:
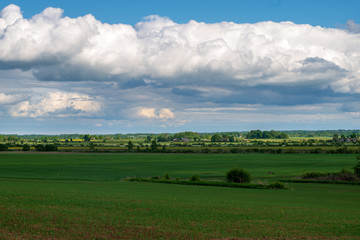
[171, 66]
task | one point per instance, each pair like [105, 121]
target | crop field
[83, 196]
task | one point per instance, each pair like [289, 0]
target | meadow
[83, 196]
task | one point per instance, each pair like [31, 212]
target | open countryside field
[81, 196]
[116, 166]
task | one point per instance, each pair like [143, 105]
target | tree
[216, 138]
[189, 135]
[26, 147]
[254, 134]
[357, 167]
[335, 137]
[343, 138]
[50, 148]
[91, 146]
[153, 146]
[3, 147]
[86, 138]
[194, 178]
[164, 137]
[40, 148]
[148, 139]
[238, 175]
[130, 146]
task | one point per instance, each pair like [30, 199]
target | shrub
[167, 176]
[277, 185]
[234, 150]
[39, 147]
[50, 148]
[46, 148]
[313, 175]
[205, 150]
[3, 147]
[238, 175]
[357, 167]
[194, 178]
[26, 147]
[343, 175]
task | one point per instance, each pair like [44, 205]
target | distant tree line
[258, 134]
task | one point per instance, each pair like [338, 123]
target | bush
[46, 148]
[238, 175]
[50, 148]
[343, 175]
[26, 147]
[313, 175]
[40, 148]
[277, 185]
[3, 147]
[234, 150]
[357, 167]
[194, 178]
[167, 176]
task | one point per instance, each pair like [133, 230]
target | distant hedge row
[319, 181]
[211, 183]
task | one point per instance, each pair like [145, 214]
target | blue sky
[170, 66]
[326, 13]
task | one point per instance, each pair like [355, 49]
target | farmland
[82, 196]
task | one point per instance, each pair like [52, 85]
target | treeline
[321, 133]
[258, 134]
[337, 135]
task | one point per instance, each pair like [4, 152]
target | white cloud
[218, 109]
[352, 26]
[152, 113]
[194, 53]
[147, 112]
[59, 104]
[8, 99]
[9, 15]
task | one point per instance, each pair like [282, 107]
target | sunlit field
[83, 196]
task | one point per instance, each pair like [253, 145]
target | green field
[111, 166]
[81, 196]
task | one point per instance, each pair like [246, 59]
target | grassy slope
[118, 166]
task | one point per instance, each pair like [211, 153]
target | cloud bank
[159, 74]
[56, 104]
[165, 53]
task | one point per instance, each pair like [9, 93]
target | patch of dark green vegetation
[319, 181]
[343, 175]
[277, 185]
[238, 175]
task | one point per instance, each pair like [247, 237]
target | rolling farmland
[83, 196]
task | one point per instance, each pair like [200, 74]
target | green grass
[110, 166]
[32, 206]
[111, 210]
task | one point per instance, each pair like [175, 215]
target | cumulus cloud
[350, 107]
[60, 48]
[59, 104]
[8, 99]
[152, 113]
[352, 26]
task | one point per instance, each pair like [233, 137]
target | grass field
[80, 196]
[110, 166]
